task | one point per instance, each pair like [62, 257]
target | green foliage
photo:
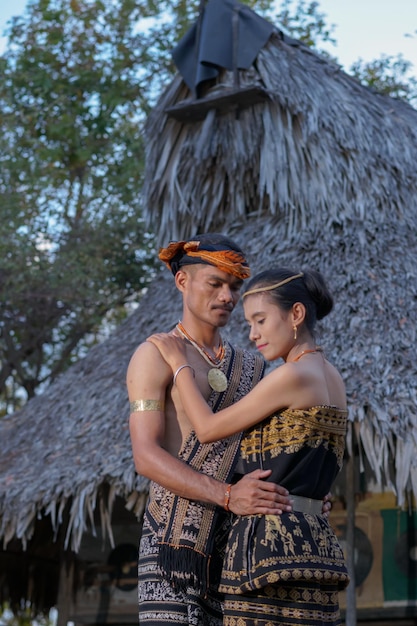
[72, 244]
[304, 21]
[389, 75]
[70, 92]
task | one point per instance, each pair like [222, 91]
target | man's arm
[148, 377]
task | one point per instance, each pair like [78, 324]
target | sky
[364, 29]
[368, 29]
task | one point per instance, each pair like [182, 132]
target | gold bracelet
[227, 497]
[181, 367]
[146, 405]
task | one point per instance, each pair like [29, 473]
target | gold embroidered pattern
[146, 405]
[301, 447]
[314, 606]
[292, 429]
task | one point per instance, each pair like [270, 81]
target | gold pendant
[217, 379]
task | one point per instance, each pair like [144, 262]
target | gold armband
[147, 405]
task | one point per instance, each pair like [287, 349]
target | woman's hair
[307, 287]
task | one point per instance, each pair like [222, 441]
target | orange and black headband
[179, 253]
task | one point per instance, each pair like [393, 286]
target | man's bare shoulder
[148, 361]
[145, 350]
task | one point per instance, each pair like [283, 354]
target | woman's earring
[295, 331]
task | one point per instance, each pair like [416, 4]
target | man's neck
[204, 334]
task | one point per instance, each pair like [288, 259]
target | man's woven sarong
[159, 603]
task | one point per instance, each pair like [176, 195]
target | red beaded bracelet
[227, 497]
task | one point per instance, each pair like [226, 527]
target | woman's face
[271, 328]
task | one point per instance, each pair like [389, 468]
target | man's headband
[270, 287]
[179, 253]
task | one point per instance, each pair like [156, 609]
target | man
[185, 524]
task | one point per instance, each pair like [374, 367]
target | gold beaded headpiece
[270, 287]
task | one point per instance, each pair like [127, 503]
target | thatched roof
[323, 149]
[70, 447]
[323, 175]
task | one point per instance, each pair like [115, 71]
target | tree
[72, 244]
[389, 75]
[304, 21]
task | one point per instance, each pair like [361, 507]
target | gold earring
[295, 331]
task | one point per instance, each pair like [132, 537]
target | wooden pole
[351, 616]
[66, 574]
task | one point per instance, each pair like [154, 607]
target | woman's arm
[275, 391]
[148, 377]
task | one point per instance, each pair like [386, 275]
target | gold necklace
[309, 351]
[216, 378]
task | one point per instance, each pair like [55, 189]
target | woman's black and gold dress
[287, 569]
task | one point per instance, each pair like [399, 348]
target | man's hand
[327, 505]
[252, 495]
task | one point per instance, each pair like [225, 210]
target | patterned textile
[164, 594]
[217, 253]
[304, 450]
[307, 603]
[159, 603]
[186, 527]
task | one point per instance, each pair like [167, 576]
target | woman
[280, 569]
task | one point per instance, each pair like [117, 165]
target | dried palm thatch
[323, 149]
[69, 449]
[371, 270]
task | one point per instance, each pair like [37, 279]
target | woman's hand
[171, 347]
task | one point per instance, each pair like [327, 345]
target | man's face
[209, 294]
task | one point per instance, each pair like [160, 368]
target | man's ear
[181, 278]
[298, 313]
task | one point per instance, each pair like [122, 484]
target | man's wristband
[227, 497]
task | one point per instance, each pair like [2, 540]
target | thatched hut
[322, 173]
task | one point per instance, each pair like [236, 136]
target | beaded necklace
[216, 378]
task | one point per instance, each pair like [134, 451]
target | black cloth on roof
[210, 45]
